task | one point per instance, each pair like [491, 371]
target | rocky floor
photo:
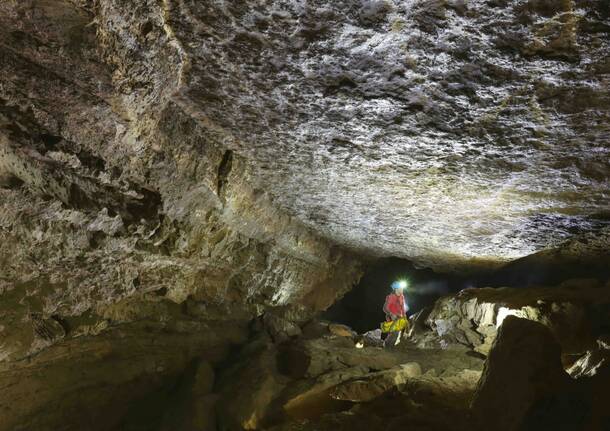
[328, 379]
[510, 357]
[521, 353]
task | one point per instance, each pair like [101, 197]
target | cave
[362, 307]
[204, 205]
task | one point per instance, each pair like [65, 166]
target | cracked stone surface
[434, 130]
[110, 191]
[184, 164]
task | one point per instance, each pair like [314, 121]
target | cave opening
[362, 307]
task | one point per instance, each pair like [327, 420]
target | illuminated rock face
[112, 195]
[434, 130]
[573, 311]
[441, 131]
[193, 162]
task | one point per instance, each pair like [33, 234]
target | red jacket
[395, 304]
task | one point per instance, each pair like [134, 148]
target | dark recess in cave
[362, 307]
[10, 182]
[50, 141]
[528, 272]
[224, 169]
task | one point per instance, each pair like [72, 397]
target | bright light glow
[504, 312]
[403, 284]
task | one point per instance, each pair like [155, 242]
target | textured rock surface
[590, 364]
[110, 191]
[438, 130]
[584, 256]
[100, 382]
[249, 386]
[184, 147]
[524, 386]
[423, 129]
[524, 367]
[576, 312]
[310, 377]
[426, 403]
[180, 168]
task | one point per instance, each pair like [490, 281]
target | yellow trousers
[395, 325]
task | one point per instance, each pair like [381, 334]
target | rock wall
[100, 382]
[111, 191]
[525, 387]
[130, 234]
[576, 312]
[170, 170]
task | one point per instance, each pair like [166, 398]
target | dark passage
[362, 307]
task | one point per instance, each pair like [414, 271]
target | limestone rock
[173, 170]
[129, 140]
[471, 318]
[522, 370]
[280, 329]
[313, 358]
[315, 329]
[99, 382]
[249, 387]
[421, 403]
[47, 329]
[311, 399]
[422, 106]
[341, 330]
[372, 339]
[375, 384]
[590, 364]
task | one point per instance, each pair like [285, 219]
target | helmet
[399, 284]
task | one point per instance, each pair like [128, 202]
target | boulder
[522, 370]
[315, 329]
[312, 358]
[280, 328]
[417, 322]
[472, 317]
[590, 364]
[313, 398]
[375, 384]
[341, 330]
[249, 387]
[372, 339]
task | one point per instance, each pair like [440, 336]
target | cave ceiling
[435, 130]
